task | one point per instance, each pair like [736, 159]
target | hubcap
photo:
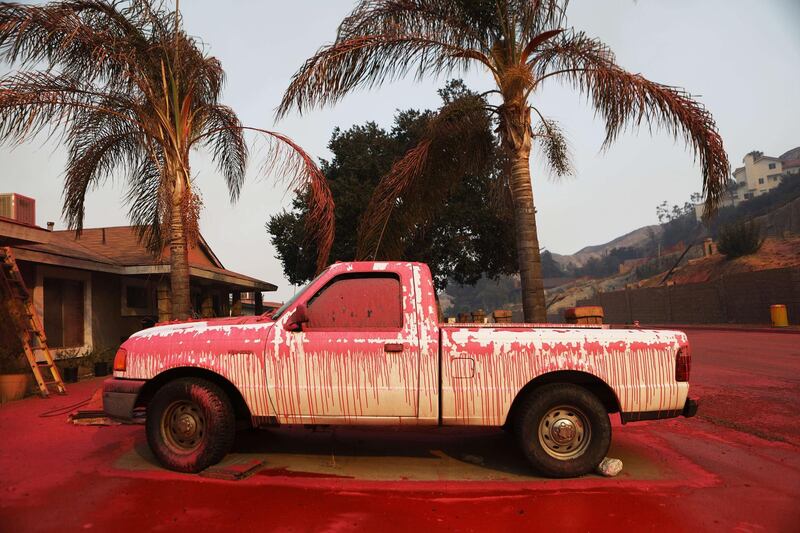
[183, 426]
[564, 432]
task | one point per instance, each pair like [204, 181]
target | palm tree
[131, 92]
[522, 44]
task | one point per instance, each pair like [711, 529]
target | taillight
[683, 364]
[121, 360]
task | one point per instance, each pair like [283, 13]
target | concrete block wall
[738, 298]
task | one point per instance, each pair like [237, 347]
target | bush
[739, 239]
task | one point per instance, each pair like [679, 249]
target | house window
[357, 301]
[137, 298]
[772, 165]
[63, 312]
[761, 181]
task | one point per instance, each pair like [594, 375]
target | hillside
[777, 213]
[774, 253]
[638, 238]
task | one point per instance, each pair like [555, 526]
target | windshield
[294, 298]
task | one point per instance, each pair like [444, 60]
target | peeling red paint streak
[350, 376]
[347, 374]
[639, 371]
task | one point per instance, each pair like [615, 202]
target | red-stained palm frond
[98, 147]
[222, 134]
[444, 20]
[386, 196]
[535, 18]
[569, 51]
[35, 102]
[126, 88]
[626, 100]
[367, 60]
[287, 160]
[149, 202]
[458, 141]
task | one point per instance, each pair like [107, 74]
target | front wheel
[190, 425]
[563, 430]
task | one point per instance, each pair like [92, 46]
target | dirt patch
[774, 253]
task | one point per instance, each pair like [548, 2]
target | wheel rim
[564, 432]
[183, 426]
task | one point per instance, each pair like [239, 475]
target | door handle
[392, 347]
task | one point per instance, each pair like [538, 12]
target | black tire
[563, 449]
[190, 424]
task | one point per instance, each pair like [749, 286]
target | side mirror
[298, 318]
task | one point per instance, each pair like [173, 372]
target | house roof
[121, 245]
[16, 232]
[116, 250]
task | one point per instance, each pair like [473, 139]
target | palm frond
[535, 18]
[149, 202]
[445, 20]
[223, 134]
[99, 146]
[626, 100]
[368, 60]
[288, 161]
[458, 141]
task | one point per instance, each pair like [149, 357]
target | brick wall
[738, 298]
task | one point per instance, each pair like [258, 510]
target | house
[96, 289]
[759, 175]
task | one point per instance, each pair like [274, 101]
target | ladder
[31, 333]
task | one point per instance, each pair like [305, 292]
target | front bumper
[119, 396]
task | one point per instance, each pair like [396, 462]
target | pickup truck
[362, 344]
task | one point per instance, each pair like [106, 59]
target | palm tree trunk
[179, 252]
[530, 263]
[515, 131]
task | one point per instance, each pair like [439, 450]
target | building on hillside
[790, 162]
[96, 289]
[759, 175]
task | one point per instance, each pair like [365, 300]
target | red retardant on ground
[734, 467]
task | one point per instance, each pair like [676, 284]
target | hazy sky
[740, 56]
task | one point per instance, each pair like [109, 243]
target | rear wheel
[190, 424]
[563, 430]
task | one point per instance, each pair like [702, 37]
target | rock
[609, 467]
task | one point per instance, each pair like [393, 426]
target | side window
[357, 301]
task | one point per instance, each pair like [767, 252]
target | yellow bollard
[779, 317]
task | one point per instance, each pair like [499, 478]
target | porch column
[259, 303]
[207, 306]
[236, 306]
[164, 301]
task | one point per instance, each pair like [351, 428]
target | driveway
[734, 467]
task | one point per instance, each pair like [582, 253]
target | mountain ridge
[637, 238]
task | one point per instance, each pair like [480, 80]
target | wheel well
[593, 384]
[151, 386]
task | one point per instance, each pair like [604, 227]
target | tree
[130, 91]
[523, 44]
[459, 234]
[550, 268]
[739, 238]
